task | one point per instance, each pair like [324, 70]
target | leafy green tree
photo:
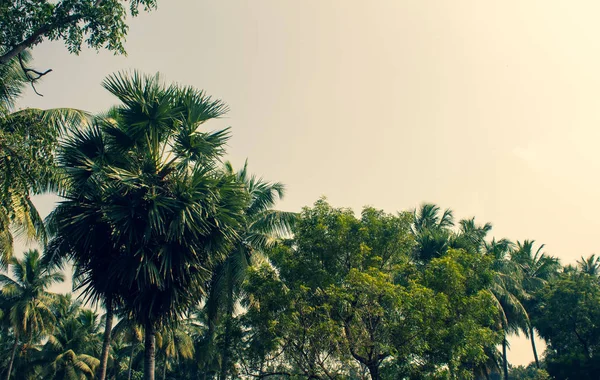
[463, 338]
[289, 333]
[97, 23]
[567, 319]
[531, 372]
[351, 298]
[27, 300]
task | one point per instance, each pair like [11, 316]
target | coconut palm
[471, 236]
[28, 139]
[262, 227]
[28, 301]
[507, 293]
[536, 268]
[70, 350]
[175, 344]
[431, 231]
[428, 218]
[590, 265]
[131, 334]
[151, 177]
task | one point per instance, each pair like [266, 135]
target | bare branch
[31, 78]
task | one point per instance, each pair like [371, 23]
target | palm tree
[151, 177]
[176, 343]
[590, 265]
[507, 292]
[29, 311]
[262, 227]
[70, 350]
[28, 139]
[431, 231]
[471, 236]
[131, 333]
[537, 268]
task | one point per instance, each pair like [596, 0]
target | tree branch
[32, 79]
[34, 38]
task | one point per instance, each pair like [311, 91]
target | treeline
[381, 296]
[189, 271]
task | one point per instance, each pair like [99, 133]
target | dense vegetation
[183, 268]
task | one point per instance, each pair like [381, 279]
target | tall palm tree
[151, 176]
[537, 268]
[507, 293]
[29, 302]
[28, 139]
[262, 227]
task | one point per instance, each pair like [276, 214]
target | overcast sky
[489, 108]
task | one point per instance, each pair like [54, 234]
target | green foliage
[97, 24]
[567, 317]
[528, 373]
[28, 139]
[349, 299]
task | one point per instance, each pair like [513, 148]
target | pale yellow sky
[489, 108]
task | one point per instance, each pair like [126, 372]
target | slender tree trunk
[165, 369]
[227, 341]
[131, 361]
[373, 371]
[210, 349]
[535, 355]
[149, 351]
[487, 374]
[106, 342]
[12, 358]
[504, 360]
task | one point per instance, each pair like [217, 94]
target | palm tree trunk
[106, 342]
[535, 355]
[504, 360]
[149, 351]
[131, 361]
[227, 340]
[12, 358]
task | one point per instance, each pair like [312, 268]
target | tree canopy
[95, 23]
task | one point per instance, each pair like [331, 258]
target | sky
[489, 108]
